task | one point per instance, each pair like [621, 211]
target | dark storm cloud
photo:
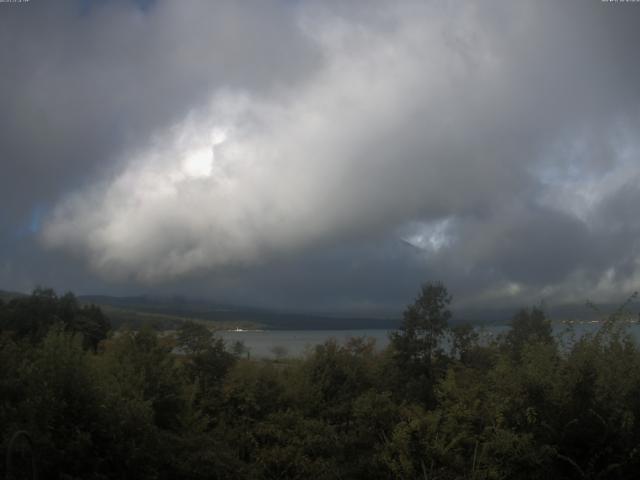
[282, 151]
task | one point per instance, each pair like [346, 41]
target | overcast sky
[322, 155]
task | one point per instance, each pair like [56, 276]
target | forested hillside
[101, 404]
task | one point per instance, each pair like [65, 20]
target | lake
[261, 343]
[295, 342]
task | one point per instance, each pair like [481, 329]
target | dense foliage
[139, 405]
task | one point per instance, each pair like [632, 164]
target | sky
[322, 155]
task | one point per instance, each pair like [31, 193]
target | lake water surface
[261, 343]
[293, 343]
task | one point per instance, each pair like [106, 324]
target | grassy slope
[6, 296]
[129, 317]
[165, 312]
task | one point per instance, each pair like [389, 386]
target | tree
[424, 323]
[194, 338]
[528, 326]
[464, 341]
[206, 361]
[415, 345]
[31, 317]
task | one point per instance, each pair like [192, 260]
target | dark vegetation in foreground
[137, 405]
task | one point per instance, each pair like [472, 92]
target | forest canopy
[98, 403]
